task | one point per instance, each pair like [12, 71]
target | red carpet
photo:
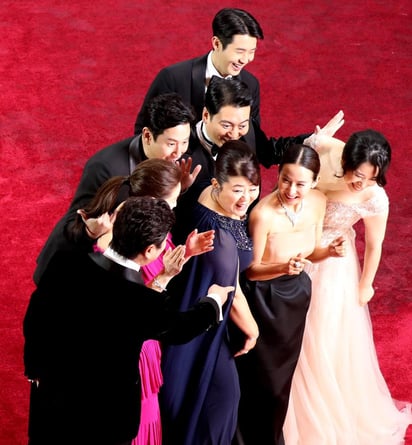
[72, 78]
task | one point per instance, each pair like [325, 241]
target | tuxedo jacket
[84, 327]
[118, 159]
[187, 78]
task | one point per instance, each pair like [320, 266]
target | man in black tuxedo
[85, 325]
[165, 135]
[234, 43]
[225, 116]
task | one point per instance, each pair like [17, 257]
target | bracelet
[157, 284]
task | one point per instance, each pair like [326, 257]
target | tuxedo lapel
[136, 154]
[198, 84]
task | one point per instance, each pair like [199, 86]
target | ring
[297, 264]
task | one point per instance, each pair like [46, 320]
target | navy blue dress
[200, 395]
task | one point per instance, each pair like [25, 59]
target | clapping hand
[173, 261]
[198, 243]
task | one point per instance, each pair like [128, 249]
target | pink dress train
[150, 429]
[339, 396]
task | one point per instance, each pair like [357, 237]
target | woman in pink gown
[338, 395]
[150, 429]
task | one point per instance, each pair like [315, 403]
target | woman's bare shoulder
[263, 208]
[317, 196]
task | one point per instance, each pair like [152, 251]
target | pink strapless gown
[150, 430]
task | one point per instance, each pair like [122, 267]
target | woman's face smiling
[236, 195]
[294, 183]
[364, 176]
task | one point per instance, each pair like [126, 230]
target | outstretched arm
[270, 150]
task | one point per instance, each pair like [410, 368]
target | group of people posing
[176, 305]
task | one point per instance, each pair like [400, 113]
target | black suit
[84, 328]
[174, 78]
[187, 78]
[118, 159]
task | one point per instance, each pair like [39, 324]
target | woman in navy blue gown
[200, 395]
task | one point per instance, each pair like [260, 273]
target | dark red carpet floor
[72, 78]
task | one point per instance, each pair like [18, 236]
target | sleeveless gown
[338, 395]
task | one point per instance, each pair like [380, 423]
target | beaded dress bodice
[340, 217]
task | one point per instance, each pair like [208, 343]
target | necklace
[292, 216]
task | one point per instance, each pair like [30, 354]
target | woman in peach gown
[286, 228]
[338, 394]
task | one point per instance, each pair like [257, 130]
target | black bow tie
[214, 150]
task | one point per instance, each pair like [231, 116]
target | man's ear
[146, 135]
[150, 252]
[216, 43]
[205, 115]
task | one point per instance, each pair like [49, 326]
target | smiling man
[165, 135]
[225, 117]
[234, 44]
